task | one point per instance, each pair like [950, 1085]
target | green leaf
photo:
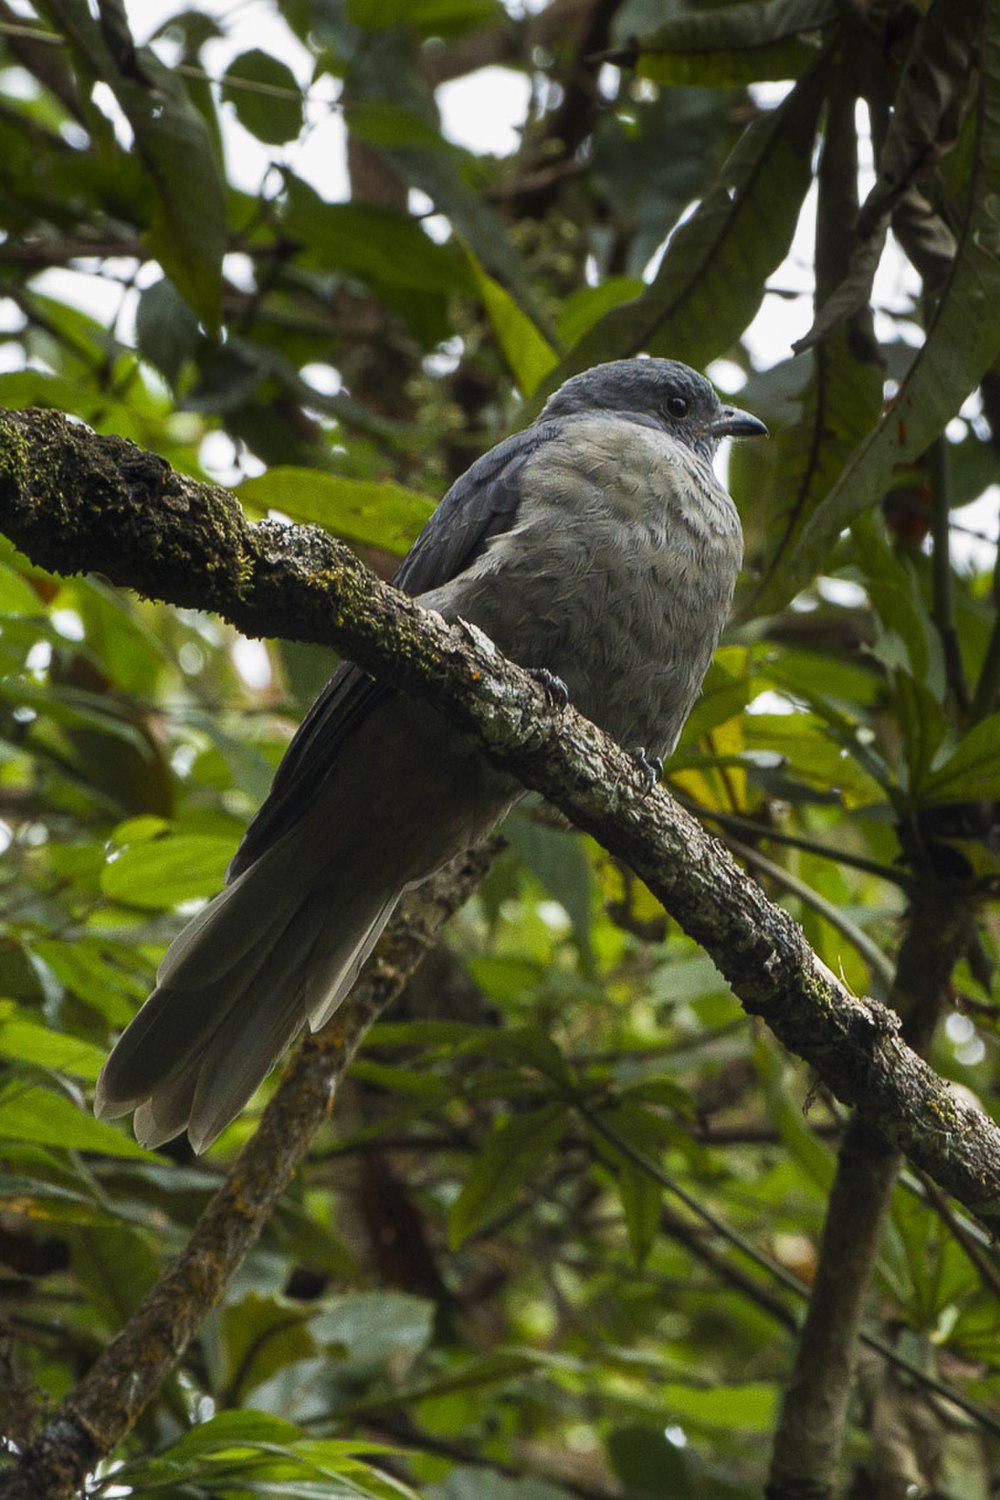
[972, 773]
[272, 107]
[815, 1160]
[115, 1265]
[369, 1330]
[27, 1041]
[389, 250]
[894, 590]
[743, 1408]
[380, 70]
[382, 123]
[17, 597]
[584, 307]
[641, 1199]
[166, 329]
[962, 344]
[712, 276]
[262, 1335]
[736, 44]
[31, 1113]
[923, 723]
[231, 1429]
[510, 1157]
[187, 233]
[559, 860]
[378, 513]
[648, 1463]
[529, 355]
[839, 405]
[82, 966]
[166, 871]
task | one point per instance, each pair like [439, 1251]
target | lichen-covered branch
[76, 502]
[129, 1371]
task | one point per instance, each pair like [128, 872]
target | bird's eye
[677, 406]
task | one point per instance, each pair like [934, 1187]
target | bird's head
[660, 392]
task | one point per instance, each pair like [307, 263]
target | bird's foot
[552, 686]
[651, 767]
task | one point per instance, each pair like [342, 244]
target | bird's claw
[651, 767]
[552, 686]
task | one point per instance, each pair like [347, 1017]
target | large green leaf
[648, 1463]
[260, 1336]
[81, 965]
[27, 1041]
[378, 513]
[166, 329]
[386, 248]
[972, 772]
[167, 871]
[115, 1265]
[254, 1453]
[369, 1331]
[747, 1408]
[712, 277]
[265, 96]
[17, 597]
[962, 344]
[188, 228]
[736, 44]
[31, 1113]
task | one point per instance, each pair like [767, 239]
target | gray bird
[597, 547]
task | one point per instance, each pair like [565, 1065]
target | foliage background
[469, 1267]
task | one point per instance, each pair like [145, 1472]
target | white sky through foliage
[483, 112]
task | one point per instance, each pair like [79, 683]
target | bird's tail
[234, 988]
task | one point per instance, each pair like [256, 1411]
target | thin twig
[737, 823]
[987, 1268]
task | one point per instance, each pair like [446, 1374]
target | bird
[596, 548]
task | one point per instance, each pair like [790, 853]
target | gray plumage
[597, 544]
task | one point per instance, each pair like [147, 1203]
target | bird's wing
[479, 505]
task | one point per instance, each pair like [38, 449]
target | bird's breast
[618, 575]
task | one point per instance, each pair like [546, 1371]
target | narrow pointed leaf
[510, 1158]
[736, 44]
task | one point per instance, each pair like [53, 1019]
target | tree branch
[810, 1431]
[74, 502]
[128, 1373]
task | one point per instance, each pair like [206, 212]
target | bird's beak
[736, 423]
